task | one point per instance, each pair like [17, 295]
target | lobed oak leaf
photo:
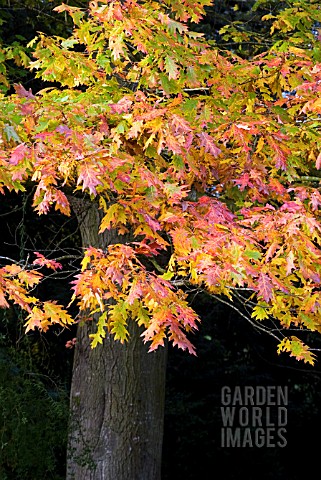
[175, 192]
[260, 312]
[36, 319]
[160, 316]
[208, 143]
[18, 154]
[181, 241]
[95, 339]
[179, 124]
[56, 313]
[12, 269]
[290, 263]
[149, 249]
[291, 207]
[89, 177]
[179, 339]
[158, 340]
[22, 92]
[170, 217]
[315, 200]
[265, 286]
[135, 129]
[173, 144]
[62, 203]
[122, 106]
[187, 316]
[136, 292]
[64, 130]
[117, 321]
[117, 45]
[30, 278]
[296, 348]
[244, 181]
[114, 216]
[45, 262]
[279, 284]
[115, 274]
[3, 301]
[171, 68]
[172, 25]
[154, 224]
[280, 160]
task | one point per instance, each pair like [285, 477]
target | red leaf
[290, 207]
[208, 144]
[3, 301]
[45, 262]
[180, 125]
[22, 92]
[244, 181]
[154, 224]
[88, 176]
[122, 106]
[265, 286]
[315, 200]
[318, 162]
[71, 343]
[62, 203]
[18, 154]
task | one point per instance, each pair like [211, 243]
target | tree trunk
[117, 395]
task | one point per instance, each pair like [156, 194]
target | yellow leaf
[260, 312]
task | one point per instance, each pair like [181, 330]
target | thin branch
[254, 324]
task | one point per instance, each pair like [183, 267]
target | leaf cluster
[195, 152]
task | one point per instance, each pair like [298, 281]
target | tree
[188, 168]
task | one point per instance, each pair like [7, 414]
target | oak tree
[189, 167]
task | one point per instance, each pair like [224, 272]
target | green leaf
[101, 331]
[11, 133]
[253, 254]
[167, 275]
[118, 320]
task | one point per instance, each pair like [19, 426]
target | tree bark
[117, 395]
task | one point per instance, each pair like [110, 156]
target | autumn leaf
[296, 348]
[22, 92]
[3, 301]
[208, 144]
[89, 177]
[115, 215]
[18, 154]
[204, 159]
[122, 106]
[260, 312]
[171, 68]
[117, 321]
[45, 262]
[290, 265]
[265, 287]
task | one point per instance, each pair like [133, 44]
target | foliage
[20, 22]
[247, 27]
[207, 159]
